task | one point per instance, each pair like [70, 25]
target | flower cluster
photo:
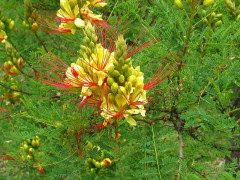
[72, 14]
[108, 81]
[6, 24]
[14, 62]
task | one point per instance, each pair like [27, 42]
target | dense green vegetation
[191, 127]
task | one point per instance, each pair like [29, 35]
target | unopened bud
[114, 87]
[219, 15]
[34, 26]
[208, 2]
[20, 62]
[14, 70]
[121, 79]
[238, 17]
[115, 73]
[178, 3]
[11, 25]
[218, 23]
[2, 26]
[79, 23]
[110, 81]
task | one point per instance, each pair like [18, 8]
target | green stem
[156, 156]
[189, 30]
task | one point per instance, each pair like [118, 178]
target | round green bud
[218, 23]
[115, 73]
[25, 147]
[11, 25]
[34, 143]
[208, 2]
[29, 156]
[116, 63]
[178, 3]
[128, 60]
[114, 87]
[2, 26]
[121, 79]
[31, 150]
[97, 164]
[238, 18]
[219, 15]
[37, 143]
[110, 81]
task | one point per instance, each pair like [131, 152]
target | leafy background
[205, 100]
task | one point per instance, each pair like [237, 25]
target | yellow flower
[89, 15]
[97, 3]
[69, 16]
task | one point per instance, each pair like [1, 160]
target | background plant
[190, 134]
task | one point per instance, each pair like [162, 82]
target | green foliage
[197, 111]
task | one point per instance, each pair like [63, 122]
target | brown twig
[7, 87]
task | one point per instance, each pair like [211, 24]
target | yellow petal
[131, 121]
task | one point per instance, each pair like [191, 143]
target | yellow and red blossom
[70, 16]
[107, 80]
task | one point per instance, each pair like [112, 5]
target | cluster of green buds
[234, 8]
[108, 80]
[213, 20]
[98, 164]
[183, 4]
[29, 146]
[28, 16]
[9, 96]
[6, 24]
[14, 63]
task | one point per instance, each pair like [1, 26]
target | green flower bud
[178, 3]
[208, 2]
[97, 164]
[128, 60]
[218, 23]
[92, 45]
[219, 15]
[111, 69]
[34, 143]
[115, 73]
[121, 79]
[86, 40]
[29, 157]
[37, 143]
[213, 15]
[129, 72]
[31, 150]
[114, 87]
[125, 67]
[25, 147]
[116, 63]
[2, 26]
[238, 17]
[121, 48]
[110, 81]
